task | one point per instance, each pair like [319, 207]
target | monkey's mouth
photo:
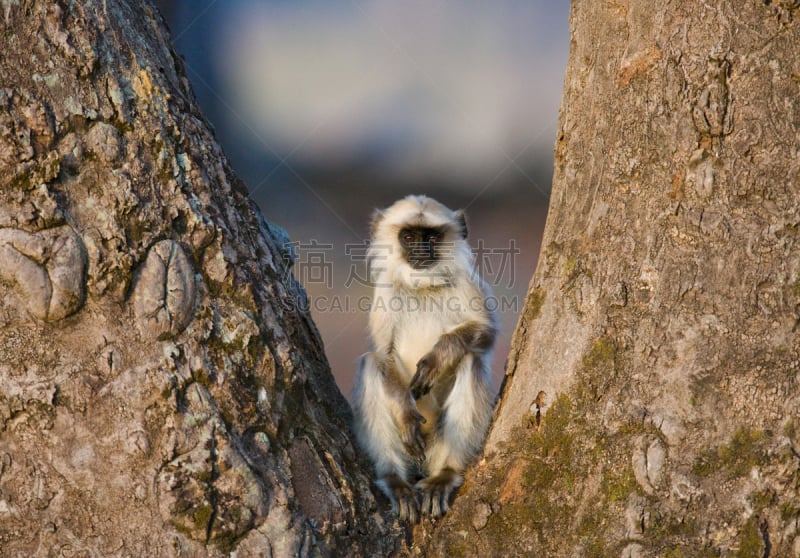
[422, 263]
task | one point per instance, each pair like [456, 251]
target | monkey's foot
[403, 497]
[437, 490]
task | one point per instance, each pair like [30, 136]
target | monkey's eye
[408, 238]
[433, 238]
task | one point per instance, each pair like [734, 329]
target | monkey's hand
[427, 371]
[437, 363]
[411, 435]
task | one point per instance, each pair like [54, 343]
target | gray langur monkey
[422, 398]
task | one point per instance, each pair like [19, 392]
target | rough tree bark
[158, 396]
[652, 397]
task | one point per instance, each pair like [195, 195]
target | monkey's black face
[421, 246]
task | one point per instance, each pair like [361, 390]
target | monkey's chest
[416, 337]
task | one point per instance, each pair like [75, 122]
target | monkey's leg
[388, 428]
[458, 437]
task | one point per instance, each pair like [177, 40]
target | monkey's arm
[441, 361]
[404, 409]
[381, 322]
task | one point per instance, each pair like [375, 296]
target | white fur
[411, 310]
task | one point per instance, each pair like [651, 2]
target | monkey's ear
[377, 216]
[461, 219]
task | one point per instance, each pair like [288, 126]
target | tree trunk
[161, 394]
[652, 388]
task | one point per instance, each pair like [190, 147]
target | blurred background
[329, 109]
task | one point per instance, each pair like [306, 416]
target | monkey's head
[419, 242]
